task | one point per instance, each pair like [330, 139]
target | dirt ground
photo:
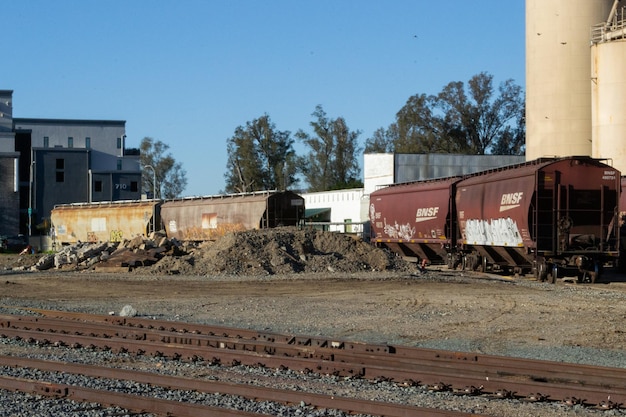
[356, 294]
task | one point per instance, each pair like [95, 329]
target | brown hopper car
[552, 217]
[197, 218]
[415, 219]
[206, 218]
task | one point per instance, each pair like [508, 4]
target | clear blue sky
[190, 72]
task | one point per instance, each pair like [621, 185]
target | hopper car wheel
[451, 261]
[476, 262]
[542, 271]
[470, 262]
[464, 263]
[555, 273]
[484, 264]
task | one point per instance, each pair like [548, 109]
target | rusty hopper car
[104, 221]
[551, 216]
[207, 218]
[416, 219]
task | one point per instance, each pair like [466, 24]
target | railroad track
[457, 372]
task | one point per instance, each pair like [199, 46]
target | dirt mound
[280, 251]
[9, 261]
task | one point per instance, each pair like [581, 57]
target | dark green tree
[475, 119]
[171, 178]
[332, 162]
[260, 157]
[382, 140]
[513, 139]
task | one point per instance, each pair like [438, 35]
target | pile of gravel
[286, 250]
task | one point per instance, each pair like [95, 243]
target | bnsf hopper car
[550, 216]
[622, 203]
[622, 223]
[416, 219]
[206, 218]
[104, 221]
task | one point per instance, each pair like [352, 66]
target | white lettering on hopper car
[426, 213]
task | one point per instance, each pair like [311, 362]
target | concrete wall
[378, 170]
[345, 205]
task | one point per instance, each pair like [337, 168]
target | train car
[104, 221]
[622, 202]
[416, 219]
[207, 218]
[622, 224]
[551, 216]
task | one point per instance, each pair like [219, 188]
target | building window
[119, 143]
[134, 186]
[46, 141]
[88, 142]
[60, 170]
[119, 164]
[97, 186]
[70, 142]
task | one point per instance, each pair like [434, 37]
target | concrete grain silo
[558, 75]
[608, 87]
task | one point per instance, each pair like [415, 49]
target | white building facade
[337, 211]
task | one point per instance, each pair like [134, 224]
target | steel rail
[349, 405]
[156, 406]
[467, 372]
[457, 380]
[532, 367]
[184, 327]
[420, 359]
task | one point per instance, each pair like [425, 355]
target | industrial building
[575, 83]
[44, 162]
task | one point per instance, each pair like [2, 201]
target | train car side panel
[541, 215]
[496, 212]
[207, 218]
[103, 222]
[415, 219]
